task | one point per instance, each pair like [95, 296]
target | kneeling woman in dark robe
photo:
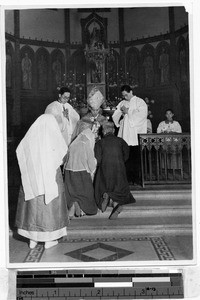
[111, 182]
[79, 171]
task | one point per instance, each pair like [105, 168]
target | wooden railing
[165, 158]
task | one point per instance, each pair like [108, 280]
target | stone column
[173, 65]
[17, 120]
[122, 47]
[67, 38]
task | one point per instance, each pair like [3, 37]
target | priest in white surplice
[67, 114]
[131, 118]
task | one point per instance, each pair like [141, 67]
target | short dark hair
[169, 109]
[126, 88]
[63, 90]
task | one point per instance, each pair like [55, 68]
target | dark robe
[111, 153]
[79, 188]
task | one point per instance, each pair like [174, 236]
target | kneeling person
[111, 181]
[79, 170]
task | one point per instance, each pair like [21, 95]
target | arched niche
[27, 58]
[182, 59]
[9, 65]
[94, 39]
[42, 69]
[133, 66]
[94, 29]
[10, 62]
[183, 80]
[163, 63]
[77, 67]
[148, 66]
[57, 69]
[112, 67]
[187, 55]
[112, 77]
[76, 76]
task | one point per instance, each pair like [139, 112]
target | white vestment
[134, 122]
[68, 125]
[169, 127]
[40, 153]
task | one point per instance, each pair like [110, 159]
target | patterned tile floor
[100, 250]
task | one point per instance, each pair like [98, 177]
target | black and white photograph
[99, 136]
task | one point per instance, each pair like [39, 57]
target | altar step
[163, 193]
[156, 212]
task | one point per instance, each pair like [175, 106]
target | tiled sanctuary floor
[128, 249]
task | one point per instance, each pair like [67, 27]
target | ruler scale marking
[48, 285]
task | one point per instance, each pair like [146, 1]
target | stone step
[155, 202]
[162, 187]
[125, 226]
[162, 195]
[122, 221]
[133, 211]
[138, 230]
[157, 211]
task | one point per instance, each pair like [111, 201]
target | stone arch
[42, 68]
[76, 76]
[112, 74]
[163, 63]
[182, 59]
[148, 65]
[9, 65]
[112, 67]
[57, 69]
[89, 24]
[27, 56]
[77, 66]
[187, 55]
[133, 66]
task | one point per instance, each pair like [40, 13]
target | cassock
[130, 125]
[134, 122]
[111, 153]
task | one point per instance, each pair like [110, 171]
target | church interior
[144, 47]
